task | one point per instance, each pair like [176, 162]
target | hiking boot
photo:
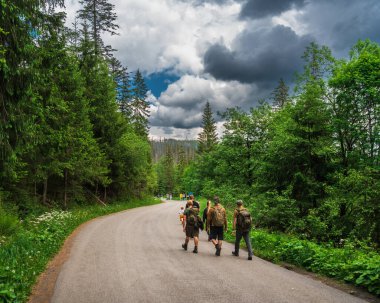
[184, 246]
[250, 258]
[235, 254]
[195, 251]
[218, 250]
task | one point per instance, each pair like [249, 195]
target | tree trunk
[44, 195]
[65, 191]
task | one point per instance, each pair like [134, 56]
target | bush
[358, 267]
[8, 223]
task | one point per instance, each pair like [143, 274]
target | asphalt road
[136, 256]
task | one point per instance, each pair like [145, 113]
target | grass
[25, 254]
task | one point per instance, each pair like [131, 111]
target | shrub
[8, 223]
[358, 267]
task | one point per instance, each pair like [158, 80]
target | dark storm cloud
[260, 57]
[339, 24]
[256, 9]
[220, 2]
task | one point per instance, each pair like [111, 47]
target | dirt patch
[348, 288]
[43, 290]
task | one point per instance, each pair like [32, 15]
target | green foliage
[25, 254]
[207, 139]
[139, 105]
[62, 134]
[361, 268]
[8, 223]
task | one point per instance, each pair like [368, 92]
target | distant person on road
[205, 212]
[181, 215]
[217, 224]
[242, 223]
[191, 226]
[195, 203]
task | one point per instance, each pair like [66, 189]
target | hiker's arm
[234, 220]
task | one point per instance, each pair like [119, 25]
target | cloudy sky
[228, 52]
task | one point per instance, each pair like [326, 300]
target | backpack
[244, 220]
[199, 224]
[192, 218]
[217, 217]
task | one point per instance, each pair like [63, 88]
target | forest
[74, 121]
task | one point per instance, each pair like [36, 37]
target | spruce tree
[139, 105]
[280, 94]
[207, 139]
[101, 17]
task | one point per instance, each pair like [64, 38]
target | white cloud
[181, 105]
[157, 35]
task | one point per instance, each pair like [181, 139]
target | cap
[239, 202]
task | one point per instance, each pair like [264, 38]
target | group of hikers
[214, 221]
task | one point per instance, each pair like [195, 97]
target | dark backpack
[244, 220]
[199, 224]
[192, 218]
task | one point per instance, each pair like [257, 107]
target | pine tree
[123, 86]
[280, 94]
[139, 105]
[207, 139]
[101, 17]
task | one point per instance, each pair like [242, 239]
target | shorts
[192, 231]
[216, 232]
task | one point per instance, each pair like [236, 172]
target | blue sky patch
[159, 82]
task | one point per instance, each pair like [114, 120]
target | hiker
[242, 223]
[217, 224]
[205, 212]
[191, 224]
[195, 203]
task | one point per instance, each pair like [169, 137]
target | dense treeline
[171, 157]
[306, 164]
[73, 123]
[180, 148]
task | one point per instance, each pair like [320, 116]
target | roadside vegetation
[26, 247]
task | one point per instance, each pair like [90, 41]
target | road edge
[43, 289]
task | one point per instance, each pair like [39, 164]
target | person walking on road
[204, 217]
[217, 224]
[190, 226]
[242, 223]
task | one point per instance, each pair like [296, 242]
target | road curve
[136, 256]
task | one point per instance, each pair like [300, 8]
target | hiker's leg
[247, 240]
[213, 236]
[237, 241]
[187, 240]
[196, 241]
